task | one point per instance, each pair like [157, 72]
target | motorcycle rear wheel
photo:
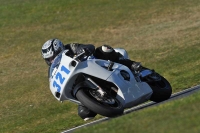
[162, 90]
[102, 108]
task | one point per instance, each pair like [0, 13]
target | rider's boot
[85, 113]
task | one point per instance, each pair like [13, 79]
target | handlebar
[79, 56]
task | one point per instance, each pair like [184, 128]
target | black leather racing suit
[76, 48]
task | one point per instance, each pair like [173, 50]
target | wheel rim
[105, 99]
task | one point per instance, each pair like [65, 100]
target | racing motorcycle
[105, 87]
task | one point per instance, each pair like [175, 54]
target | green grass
[163, 35]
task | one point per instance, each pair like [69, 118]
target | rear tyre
[107, 106]
[162, 89]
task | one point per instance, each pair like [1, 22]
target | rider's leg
[106, 52]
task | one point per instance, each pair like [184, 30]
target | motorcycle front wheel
[107, 106]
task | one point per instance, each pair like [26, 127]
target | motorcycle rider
[53, 47]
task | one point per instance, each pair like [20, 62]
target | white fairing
[130, 93]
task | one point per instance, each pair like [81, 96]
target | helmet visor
[50, 60]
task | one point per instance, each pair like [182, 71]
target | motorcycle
[105, 87]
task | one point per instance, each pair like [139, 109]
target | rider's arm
[77, 48]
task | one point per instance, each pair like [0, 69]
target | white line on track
[145, 105]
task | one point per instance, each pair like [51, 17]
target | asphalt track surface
[177, 95]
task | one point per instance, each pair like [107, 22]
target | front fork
[99, 89]
[89, 83]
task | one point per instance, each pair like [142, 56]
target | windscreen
[55, 63]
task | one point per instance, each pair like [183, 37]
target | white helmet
[51, 49]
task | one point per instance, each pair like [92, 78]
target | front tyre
[108, 106]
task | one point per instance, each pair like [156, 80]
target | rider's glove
[85, 50]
